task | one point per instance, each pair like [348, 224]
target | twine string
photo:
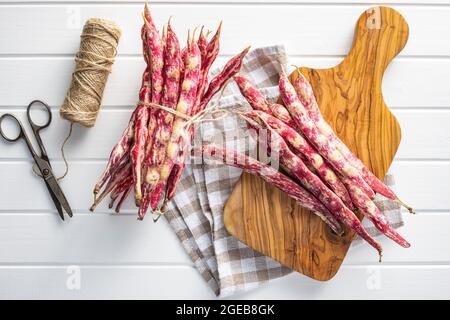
[93, 63]
[66, 164]
[216, 113]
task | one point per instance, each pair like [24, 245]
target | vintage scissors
[42, 161]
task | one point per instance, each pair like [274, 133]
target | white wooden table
[107, 256]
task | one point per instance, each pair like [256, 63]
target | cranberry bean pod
[297, 169]
[312, 183]
[316, 137]
[141, 134]
[179, 139]
[263, 110]
[213, 49]
[182, 59]
[118, 153]
[169, 99]
[371, 211]
[123, 197]
[156, 58]
[300, 146]
[231, 68]
[208, 57]
[272, 176]
[120, 188]
[202, 45]
[121, 174]
[306, 96]
[259, 102]
[280, 112]
[253, 96]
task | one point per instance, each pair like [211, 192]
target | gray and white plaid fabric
[196, 212]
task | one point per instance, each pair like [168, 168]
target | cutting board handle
[375, 32]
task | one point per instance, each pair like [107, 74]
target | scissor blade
[52, 184]
[56, 202]
[58, 193]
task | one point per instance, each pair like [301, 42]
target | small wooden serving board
[351, 100]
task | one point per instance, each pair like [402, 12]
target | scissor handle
[18, 124]
[36, 128]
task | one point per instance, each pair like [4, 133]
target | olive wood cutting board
[351, 100]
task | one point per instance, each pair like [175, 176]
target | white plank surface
[302, 27]
[145, 282]
[41, 238]
[120, 257]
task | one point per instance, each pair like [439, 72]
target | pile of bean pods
[319, 171]
[150, 155]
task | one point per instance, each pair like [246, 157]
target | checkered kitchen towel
[196, 212]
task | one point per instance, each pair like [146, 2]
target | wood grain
[351, 100]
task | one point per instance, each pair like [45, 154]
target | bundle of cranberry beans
[318, 170]
[150, 155]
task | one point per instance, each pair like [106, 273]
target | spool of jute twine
[93, 62]
[98, 48]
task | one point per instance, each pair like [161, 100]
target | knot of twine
[214, 113]
[94, 60]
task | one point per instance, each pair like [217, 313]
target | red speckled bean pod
[301, 146]
[280, 112]
[156, 57]
[231, 69]
[153, 43]
[140, 133]
[128, 141]
[182, 58]
[122, 148]
[371, 211]
[259, 102]
[253, 96]
[179, 139]
[209, 55]
[170, 98]
[263, 110]
[212, 50]
[316, 137]
[294, 166]
[202, 45]
[120, 188]
[272, 176]
[161, 185]
[118, 153]
[312, 183]
[306, 96]
[124, 196]
[118, 176]
[172, 75]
